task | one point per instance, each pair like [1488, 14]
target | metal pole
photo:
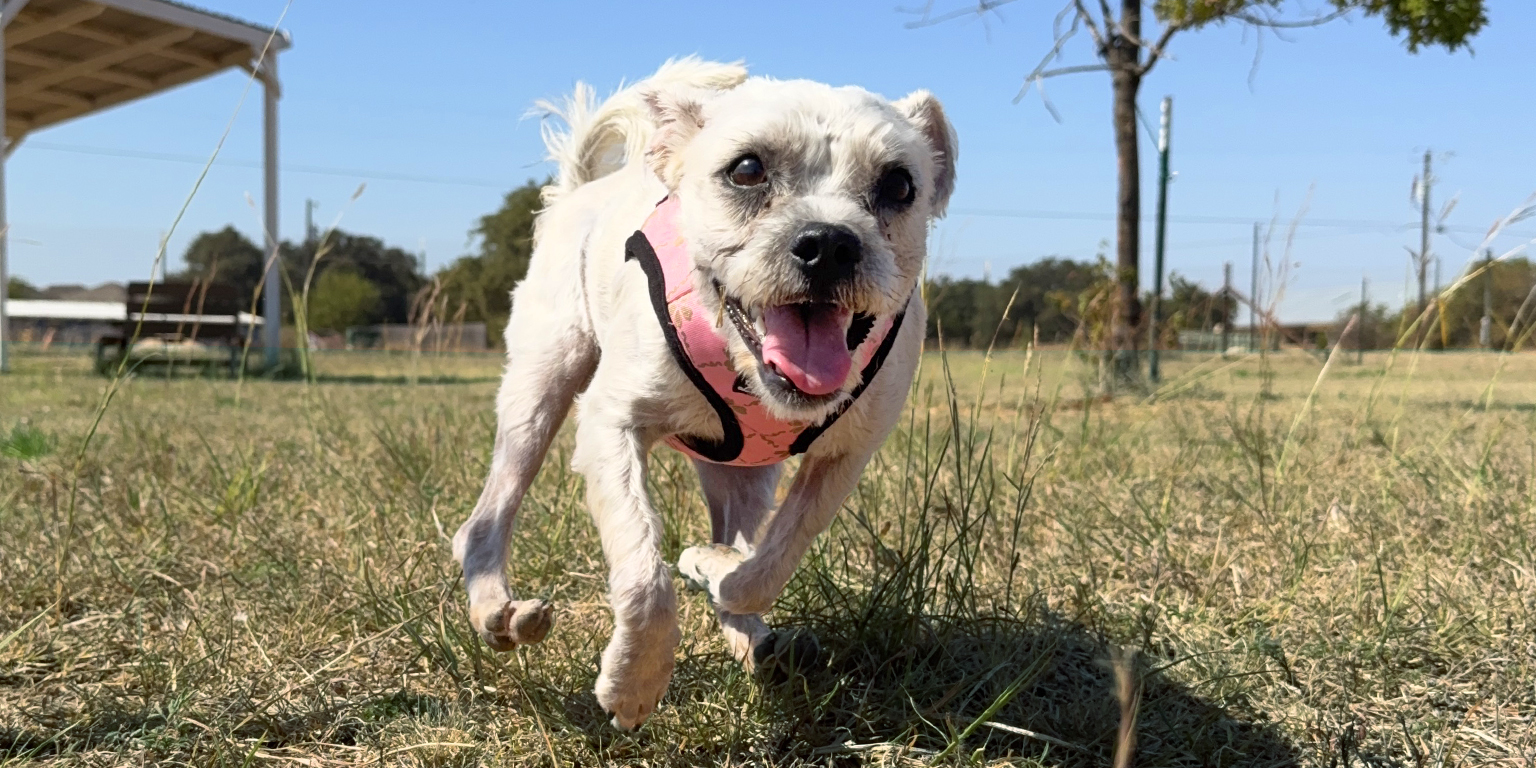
[1365, 309]
[1424, 185]
[273, 306]
[1163, 138]
[1226, 305]
[1485, 329]
[5, 234]
[1253, 296]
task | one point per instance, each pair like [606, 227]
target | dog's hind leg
[738, 498]
[550, 357]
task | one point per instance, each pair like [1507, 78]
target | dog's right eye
[748, 171]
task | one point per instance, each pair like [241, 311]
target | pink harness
[752, 437]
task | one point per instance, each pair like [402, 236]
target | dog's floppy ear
[927, 115]
[678, 114]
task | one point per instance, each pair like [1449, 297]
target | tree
[1119, 44]
[1191, 307]
[1377, 328]
[394, 272]
[226, 256]
[1509, 283]
[953, 309]
[1042, 286]
[17, 288]
[482, 283]
[342, 298]
[971, 313]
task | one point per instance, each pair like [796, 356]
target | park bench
[197, 324]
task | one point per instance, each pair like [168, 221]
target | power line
[351, 173]
[357, 173]
[1372, 224]
[1246, 221]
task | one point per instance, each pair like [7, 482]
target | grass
[267, 580]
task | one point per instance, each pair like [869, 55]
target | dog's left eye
[748, 171]
[895, 189]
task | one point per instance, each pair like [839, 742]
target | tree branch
[1071, 70]
[1275, 23]
[1038, 80]
[1060, 42]
[1159, 48]
[1119, 25]
[982, 7]
[1087, 19]
[1109, 15]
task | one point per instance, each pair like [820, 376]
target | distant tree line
[17, 288]
[357, 280]
[1511, 287]
[1055, 301]
[360, 280]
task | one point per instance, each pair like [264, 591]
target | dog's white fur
[582, 323]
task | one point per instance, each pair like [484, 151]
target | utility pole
[310, 235]
[1365, 308]
[1253, 295]
[1155, 325]
[1485, 329]
[1425, 182]
[1227, 304]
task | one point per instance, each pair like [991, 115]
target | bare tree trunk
[1124, 57]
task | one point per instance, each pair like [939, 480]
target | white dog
[728, 265]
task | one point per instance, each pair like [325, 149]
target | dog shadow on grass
[979, 687]
[1037, 687]
[917, 657]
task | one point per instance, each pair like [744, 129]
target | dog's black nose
[827, 253]
[819, 243]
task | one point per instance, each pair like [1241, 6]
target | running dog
[728, 265]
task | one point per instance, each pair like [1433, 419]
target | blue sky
[424, 103]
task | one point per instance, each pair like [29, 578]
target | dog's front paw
[512, 623]
[630, 690]
[717, 569]
[704, 568]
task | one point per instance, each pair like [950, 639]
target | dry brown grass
[269, 581]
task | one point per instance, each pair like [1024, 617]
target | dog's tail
[599, 138]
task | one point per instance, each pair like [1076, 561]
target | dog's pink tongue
[808, 345]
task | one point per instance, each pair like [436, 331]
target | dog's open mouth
[804, 346]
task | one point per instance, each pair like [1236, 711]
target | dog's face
[806, 209]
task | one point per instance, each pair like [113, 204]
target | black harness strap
[859, 329]
[731, 442]
[803, 442]
[638, 248]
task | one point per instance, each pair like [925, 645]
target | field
[1253, 568]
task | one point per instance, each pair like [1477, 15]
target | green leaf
[26, 442]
